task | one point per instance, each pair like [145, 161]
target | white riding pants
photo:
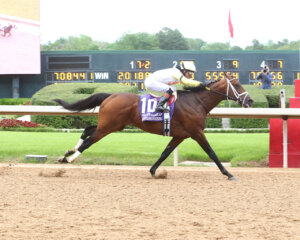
[154, 85]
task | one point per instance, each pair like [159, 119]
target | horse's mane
[196, 89]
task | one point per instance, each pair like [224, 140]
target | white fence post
[285, 130]
[176, 157]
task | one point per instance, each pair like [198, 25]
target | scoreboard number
[140, 64]
[228, 64]
[272, 64]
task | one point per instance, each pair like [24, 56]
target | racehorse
[191, 108]
[7, 29]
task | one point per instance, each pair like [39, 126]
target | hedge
[75, 122]
[14, 101]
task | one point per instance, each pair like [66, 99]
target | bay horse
[191, 108]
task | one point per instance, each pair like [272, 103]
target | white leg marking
[78, 145]
[74, 156]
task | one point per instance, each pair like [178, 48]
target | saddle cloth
[147, 107]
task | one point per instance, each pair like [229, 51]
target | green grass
[132, 148]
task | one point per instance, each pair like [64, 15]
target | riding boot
[160, 106]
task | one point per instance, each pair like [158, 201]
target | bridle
[237, 96]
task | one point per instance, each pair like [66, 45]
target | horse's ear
[228, 75]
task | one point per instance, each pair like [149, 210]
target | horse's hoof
[232, 178]
[161, 175]
[152, 173]
[62, 160]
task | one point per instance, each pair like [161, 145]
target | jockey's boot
[165, 98]
[160, 106]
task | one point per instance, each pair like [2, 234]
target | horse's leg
[171, 146]
[86, 133]
[202, 141]
[95, 137]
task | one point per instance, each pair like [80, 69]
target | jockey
[163, 80]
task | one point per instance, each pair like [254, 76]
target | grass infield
[134, 148]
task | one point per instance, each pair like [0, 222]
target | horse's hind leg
[202, 141]
[88, 131]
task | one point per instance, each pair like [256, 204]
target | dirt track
[60, 202]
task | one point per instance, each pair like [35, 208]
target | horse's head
[236, 92]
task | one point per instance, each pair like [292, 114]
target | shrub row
[14, 101]
[75, 122]
[78, 122]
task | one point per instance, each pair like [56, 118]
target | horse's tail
[88, 103]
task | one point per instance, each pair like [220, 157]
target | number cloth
[147, 109]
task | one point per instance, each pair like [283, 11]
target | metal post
[285, 130]
[285, 152]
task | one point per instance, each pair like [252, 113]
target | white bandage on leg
[78, 145]
[74, 156]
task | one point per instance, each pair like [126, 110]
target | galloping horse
[7, 29]
[121, 109]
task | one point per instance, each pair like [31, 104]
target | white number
[219, 64]
[144, 105]
[174, 64]
[150, 104]
[263, 64]
[132, 64]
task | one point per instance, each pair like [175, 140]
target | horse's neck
[210, 99]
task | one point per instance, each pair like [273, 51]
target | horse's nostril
[250, 101]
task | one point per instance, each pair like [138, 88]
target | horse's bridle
[237, 96]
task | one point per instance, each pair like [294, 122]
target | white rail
[283, 113]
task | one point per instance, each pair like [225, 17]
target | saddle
[171, 99]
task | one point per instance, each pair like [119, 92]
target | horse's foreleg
[171, 146]
[202, 141]
[95, 137]
[88, 131]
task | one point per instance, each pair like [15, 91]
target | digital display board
[19, 37]
[275, 66]
[133, 67]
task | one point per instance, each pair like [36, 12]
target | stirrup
[162, 104]
[162, 109]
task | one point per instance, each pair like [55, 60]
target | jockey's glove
[203, 85]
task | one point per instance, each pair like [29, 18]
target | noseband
[235, 92]
[237, 96]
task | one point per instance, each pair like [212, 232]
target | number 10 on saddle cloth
[147, 111]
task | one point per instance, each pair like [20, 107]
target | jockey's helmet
[188, 65]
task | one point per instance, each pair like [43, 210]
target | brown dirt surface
[105, 202]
